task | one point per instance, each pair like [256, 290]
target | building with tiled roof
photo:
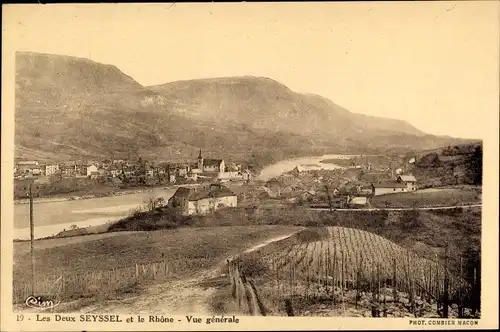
[389, 188]
[202, 200]
[211, 165]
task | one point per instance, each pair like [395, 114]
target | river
[52, 217]
[287, 165]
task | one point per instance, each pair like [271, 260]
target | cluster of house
[201, 168]
[402, 184]
[348, 193]
[30, 168]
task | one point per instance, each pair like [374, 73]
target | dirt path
[403, 209]
[180, 297]
[263, 244]
[172, 298]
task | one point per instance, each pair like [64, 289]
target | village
[342, 188]
[205, 184]
[359, 182]
[202, 167]
[122, 173]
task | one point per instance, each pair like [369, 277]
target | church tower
[200, 162]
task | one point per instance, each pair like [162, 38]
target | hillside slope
[267, 104]
[67, 107]
[459, 164]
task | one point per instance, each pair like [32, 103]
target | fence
[317, 271]
[65, 286]
[243, 290]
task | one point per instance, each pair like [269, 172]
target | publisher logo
[39, 302]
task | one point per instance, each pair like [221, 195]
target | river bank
[87, 210]
[287, 165]
[120, 192]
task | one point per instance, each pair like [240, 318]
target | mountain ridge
[248, 90]
[67, 107]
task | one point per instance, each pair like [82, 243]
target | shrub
[410, 220]
[254, 267]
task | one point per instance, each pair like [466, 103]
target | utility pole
[32, 236]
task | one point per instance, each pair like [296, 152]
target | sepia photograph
[196, 164]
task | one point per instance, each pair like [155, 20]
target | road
[402, 209]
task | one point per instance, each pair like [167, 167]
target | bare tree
[329, 196]
[153, 203]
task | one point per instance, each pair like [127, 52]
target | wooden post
[446, 285]
[289, 307]
[308, 279]
[460, 304]
[32, 239]
[394, 285]
[385, 304]
[413, 295]
[278, 279]
[334, 270]
[372, 288]
[438, 290]
[343, 274]
[63, 288]
[430, 283]
[236, 276]
[378, 288]
[290, 279]
[410, 285]
[358, 277]
[293, 278]
[474, 292]
[327, 266]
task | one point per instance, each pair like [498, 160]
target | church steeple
[200, 162]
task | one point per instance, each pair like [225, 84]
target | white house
[115, 172]
[27, 166]
[28, 162]
[51, 169]
[92, 169]
[199, 201]
[409, 180]
[362, 200]
[150, 172]
[389, 188]
[95, 175]
[171, 178]
[38, 170]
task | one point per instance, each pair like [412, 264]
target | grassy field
[408, 228]
[110, 265]
[96, 266]
[429, 197]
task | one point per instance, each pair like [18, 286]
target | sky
[432, 64]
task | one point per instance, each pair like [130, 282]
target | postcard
[250, 166]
